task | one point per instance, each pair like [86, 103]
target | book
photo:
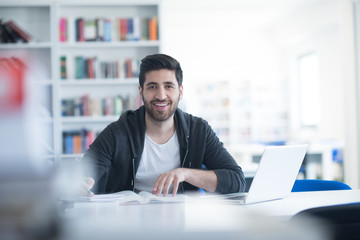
[80, 70]
[107, 30]
[9, 34]
[63, 71]
[153, 29]
[99, 23]
[23, 35]
[130, 197]
[63, 29]
[136, 29]
[90, 30]
[79, 29]
[123, 29]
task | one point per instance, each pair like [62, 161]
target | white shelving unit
[41, 20]
[36, 18]
[242, 112]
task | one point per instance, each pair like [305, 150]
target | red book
[12, 81]
[129, 73]
[80, 37]
[85, 102]
[123, 29]
[63, 29]
[20, 32]
[153, 29]
[89, 139]
[91, 68]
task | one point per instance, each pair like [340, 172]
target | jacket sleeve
[98, 158]
[229, 174]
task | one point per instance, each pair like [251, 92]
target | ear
[181, 91]
[140, 93]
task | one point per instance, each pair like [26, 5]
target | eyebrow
[165, 83]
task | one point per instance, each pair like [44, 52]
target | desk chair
[341, 221]
[306, 185]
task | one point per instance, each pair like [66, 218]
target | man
[158, 147]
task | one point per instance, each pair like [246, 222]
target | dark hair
[158, 62]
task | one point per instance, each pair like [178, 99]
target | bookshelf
[35, 18]
[243, 112]
[75, 73]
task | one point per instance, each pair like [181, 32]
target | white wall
[316, 29]
[214, 40]
[250, 40]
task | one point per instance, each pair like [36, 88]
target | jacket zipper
[133, 180]
[183, 162]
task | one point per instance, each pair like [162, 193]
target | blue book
[130, 29]
[107, 30]
[69, 144]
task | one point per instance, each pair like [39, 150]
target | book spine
[63, 30]
[130, 30]
[80, 30]
[145, 28]
[77, 143]
[123, 29]
[153, 29]
[107, 30]
[89, 30]
[136, 29]
[63, 72]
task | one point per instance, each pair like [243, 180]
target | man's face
[161, 94]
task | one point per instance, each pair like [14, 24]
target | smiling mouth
[161, 104]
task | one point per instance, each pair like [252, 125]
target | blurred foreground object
[26, 210]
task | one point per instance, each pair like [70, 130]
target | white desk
[299, 201]
[200, 219]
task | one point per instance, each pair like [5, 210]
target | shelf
[43, 82]
[31, 45]
[89, 119]
[119, 44]
[90, 82]
[73, 156]
[107, 3]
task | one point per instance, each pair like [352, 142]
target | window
[308, 66]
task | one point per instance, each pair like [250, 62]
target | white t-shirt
[155, 160]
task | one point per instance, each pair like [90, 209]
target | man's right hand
[88, 183]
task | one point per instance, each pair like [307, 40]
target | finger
[161, 185]
[167, 185]
[156, 184]
[90, 182]
[175, 187]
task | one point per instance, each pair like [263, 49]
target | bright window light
[309, 90]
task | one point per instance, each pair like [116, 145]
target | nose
[161, 93]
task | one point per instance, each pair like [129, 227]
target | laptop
[275, 175]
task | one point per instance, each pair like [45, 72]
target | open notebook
[275, 176]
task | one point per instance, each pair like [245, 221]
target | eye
[151, 87]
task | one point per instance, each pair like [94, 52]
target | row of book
[91, 68]
[77, 141]
[10, 32]
[107, 30]
[108, 106]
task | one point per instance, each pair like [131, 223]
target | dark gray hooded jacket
[113, 158]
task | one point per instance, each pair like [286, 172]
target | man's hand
[200, 178]
[164, 181]
[87, 184]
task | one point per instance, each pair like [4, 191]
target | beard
[160, 115]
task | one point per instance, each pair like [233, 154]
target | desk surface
[198, 216]
[298, 201]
